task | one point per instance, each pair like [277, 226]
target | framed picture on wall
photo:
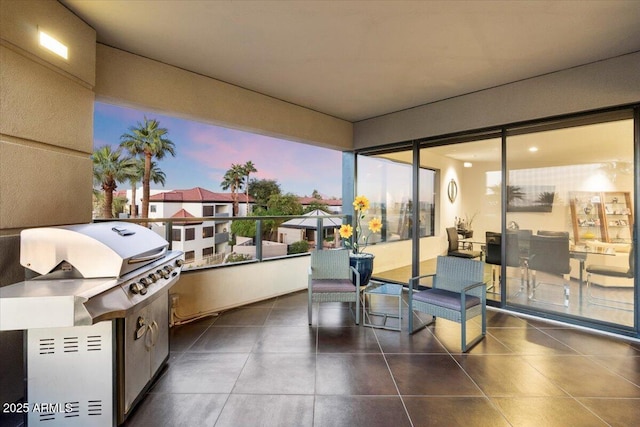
[530, 198]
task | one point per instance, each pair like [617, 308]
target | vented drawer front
[70, 376]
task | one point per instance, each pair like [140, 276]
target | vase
[363, 263]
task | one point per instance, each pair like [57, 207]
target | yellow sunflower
[361, 203]
[346, 231]
[375, 225]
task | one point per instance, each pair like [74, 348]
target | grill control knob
[163, 273]
[145, 281]
[179, 262]
[169, 268]
[154, 277]
[137, 288]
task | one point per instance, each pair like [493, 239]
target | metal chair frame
[330, 275]
[466, 297]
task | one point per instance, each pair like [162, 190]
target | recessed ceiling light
[53, 45]
[468, 164]
[533, 149]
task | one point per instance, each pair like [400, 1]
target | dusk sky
[205, 152]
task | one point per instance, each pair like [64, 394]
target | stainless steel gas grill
[96, 315]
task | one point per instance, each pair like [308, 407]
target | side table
[382, 289]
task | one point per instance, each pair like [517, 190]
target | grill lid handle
[123, 231]
[145, 258]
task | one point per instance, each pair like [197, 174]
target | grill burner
[101, 300]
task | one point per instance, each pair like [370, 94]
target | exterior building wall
[218, 241]
[290, 235]
[269, 249]
[127, 189]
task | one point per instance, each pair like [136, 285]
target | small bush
[298, 247]
[234, 257]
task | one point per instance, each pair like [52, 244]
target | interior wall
[46, 139]
[137, 82]
[594, 86]
[476, 201]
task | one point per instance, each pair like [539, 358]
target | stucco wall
[222, 288]
[46, 138]
[602, 84]
[131, 80]
[46, 130]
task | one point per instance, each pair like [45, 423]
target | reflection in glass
[578, 184]
[387, 184]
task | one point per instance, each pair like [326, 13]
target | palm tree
[134, 179]
[233, 180]
[108, 169]
[147, 140]
[156, 175]
[249, 168]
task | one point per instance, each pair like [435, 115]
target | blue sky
[205, 152]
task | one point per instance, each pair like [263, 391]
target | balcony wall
[218, 289]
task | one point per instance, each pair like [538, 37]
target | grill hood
[106, 249]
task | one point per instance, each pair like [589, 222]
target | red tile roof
[197, 194]
[182, 213]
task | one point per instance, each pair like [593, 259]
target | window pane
[387, 185]
[575, 183]
[469, 198]
[189, 234]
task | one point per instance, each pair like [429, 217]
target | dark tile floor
[262, 365]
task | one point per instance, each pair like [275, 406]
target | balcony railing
[253, 250]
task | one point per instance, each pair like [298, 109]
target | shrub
[234, 257]
[298, 247]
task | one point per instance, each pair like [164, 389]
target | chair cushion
[332, 285]
[465, 254]
[444, 298]
[607, 270]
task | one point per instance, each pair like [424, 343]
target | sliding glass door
[570, 218]
[550, 206]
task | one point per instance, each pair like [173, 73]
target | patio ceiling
[356, 59]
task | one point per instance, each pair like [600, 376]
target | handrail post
[168, 233]
[258, 239]
[319, 234]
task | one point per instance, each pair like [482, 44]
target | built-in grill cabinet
[96, 319]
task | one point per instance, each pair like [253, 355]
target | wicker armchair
[330, 280]
[457, 294]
